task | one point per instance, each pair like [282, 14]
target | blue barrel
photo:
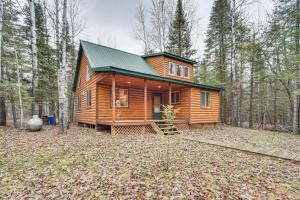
[52, 119]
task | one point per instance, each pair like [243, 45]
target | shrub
[169, 113]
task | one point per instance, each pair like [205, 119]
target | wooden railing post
[170, 94]
[145, 99]
[113, 98]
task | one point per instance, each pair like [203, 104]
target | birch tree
[62, 77]
[34, 105]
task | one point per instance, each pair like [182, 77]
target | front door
[156, 106]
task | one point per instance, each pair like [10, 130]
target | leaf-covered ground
[275, 143]
[88, 165]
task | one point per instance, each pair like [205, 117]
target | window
[179, 70]
[88, 72]
[121, 98]
[171, 68]
[79, 82]
[175, 97]
[186, 72]
[205, 99]
[88, 98]
[78, 102]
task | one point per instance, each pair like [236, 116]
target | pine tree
[47, 70]
[13, 46]
[180, 34]
[215, 61]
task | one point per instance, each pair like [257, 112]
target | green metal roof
[106, 59]
[170, 55]
[101, 56]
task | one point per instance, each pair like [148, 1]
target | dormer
[171, 66]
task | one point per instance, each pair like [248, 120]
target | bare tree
[76, 27]
[160, 20]
[142, 32]
[62, 77]
[34, 105]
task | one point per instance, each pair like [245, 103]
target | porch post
[170, 94]
[113, 98]
[145, 99]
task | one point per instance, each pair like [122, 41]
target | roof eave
[77, 67]
[154, 77]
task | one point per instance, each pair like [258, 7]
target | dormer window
[171, 68]
[186, 72]
[179, 70]
[88, 72]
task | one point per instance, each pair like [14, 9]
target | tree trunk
[2, 97]
[296, 96]
[62, 78]
[34, 105]
[13, 111]
[251, 86]
[19, 86]
[234, 120]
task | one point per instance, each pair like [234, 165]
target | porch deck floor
[135, 122]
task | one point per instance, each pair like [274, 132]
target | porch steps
[166, 128]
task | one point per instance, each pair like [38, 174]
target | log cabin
[124, 92]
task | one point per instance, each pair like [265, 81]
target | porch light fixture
[129, 82]
[159, 86]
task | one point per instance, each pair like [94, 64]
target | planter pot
[35, 123]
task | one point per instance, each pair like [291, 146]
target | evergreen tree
[47, 71]
[215, 61]
[180, 34]
[217, 42]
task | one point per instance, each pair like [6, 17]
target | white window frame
[171, 64]
[207, 101]
[173, 101]
[88, 102]
[88, 72]
[188, 70]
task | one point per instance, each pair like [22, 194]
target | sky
[112, 22]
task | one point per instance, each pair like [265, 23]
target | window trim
[209, 102]
[127, 97]
[88, 92]
[78, 102]
[88, 72]
[172, 64]
[79, 82]
[186, 67]
[181, 70]
[179, 93]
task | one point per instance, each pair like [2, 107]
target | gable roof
[102, 56]
[170, 55]
[106, 59]
[99, 56]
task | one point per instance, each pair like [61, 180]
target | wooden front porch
[139, 106]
